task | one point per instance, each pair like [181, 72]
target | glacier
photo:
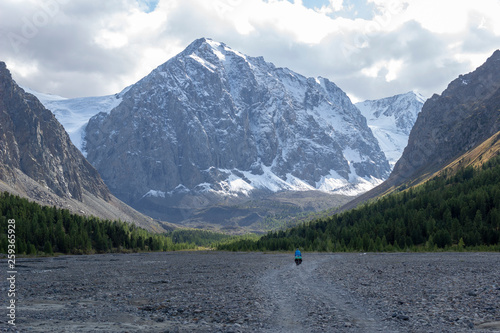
[391, 120]
[74, 113]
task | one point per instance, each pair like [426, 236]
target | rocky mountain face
[462, 117]
[38, 160]
[451, 124]
[391, 120]
[214, 122]
[34, 142]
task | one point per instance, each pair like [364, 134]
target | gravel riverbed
[256, 292]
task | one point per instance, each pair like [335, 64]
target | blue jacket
[298, 254]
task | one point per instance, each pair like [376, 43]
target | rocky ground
[256, 292]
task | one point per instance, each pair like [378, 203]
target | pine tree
[48, 248]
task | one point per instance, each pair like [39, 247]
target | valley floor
[257, 292]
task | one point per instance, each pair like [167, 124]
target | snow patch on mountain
[154, 193]
[244, 182]
[391, 120]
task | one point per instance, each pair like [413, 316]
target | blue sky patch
[148, 6]
[352, 9]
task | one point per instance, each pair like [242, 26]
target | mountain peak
[203, 45]
[5, 73]
[219, 49]
[201, 42]
[212, 55]
[495, 56]
[214, 44]
[214, 121]
[416, 95]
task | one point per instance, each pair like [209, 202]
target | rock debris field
[257, 292]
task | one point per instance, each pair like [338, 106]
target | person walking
[298, 257]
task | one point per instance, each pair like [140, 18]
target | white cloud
[91, 47]
[332, 7]
[449, 16]
[111, 39]
[23, 69]
[386, 69]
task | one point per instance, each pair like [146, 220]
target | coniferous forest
[449, 212]
[48, 230]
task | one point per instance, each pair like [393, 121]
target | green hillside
[454, 211]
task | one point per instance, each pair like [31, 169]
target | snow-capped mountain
[449, 127]
[391, 120]
[212, 120]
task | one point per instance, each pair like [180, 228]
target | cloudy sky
[369, 48]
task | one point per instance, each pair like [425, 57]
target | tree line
[449, 212]
[44, 229]
[200, 238]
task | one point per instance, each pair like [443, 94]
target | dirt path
[257, 292]
[303, 302]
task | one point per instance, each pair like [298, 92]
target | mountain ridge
[467, 113]
[36, 144]
[450, 125]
